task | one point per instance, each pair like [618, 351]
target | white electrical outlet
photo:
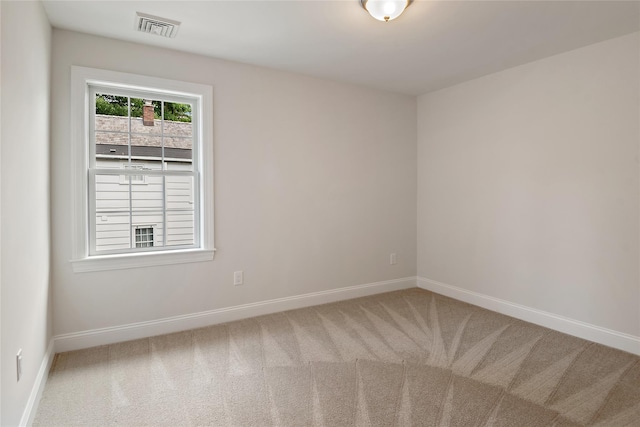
[238, 278]
[19, 364]
[392, 259]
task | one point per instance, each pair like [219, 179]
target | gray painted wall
[26, 297]
[528, 185]
[315, 186]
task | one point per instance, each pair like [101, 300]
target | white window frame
[81, 260]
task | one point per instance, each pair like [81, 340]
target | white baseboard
[563, 324]
[38, 387]
[96, 337]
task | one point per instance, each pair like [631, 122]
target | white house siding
[113, 207]
[153, 199]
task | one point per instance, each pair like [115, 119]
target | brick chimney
[147, 114]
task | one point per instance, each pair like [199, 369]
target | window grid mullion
[92, 211]
[196, 161]
[131, 232]
[142, 93]
[147, 172]
[164, 180]
[91, 162]
[119, 132]
[162, 132]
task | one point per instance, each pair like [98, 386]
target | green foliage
[112, 105]
[177, 112]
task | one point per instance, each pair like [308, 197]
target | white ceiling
[434, 44]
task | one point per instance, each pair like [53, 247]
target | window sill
[119, 262]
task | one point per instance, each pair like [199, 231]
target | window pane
[146, 141]
[178, 153]
[147, 197]
[180, 210]
[146, 148]
[113, 230]
[109, 147]
[146, 116]
[178, 135]
[177, 119]
[180, 228]
[115, 162]
[148, 226]
[112, 112]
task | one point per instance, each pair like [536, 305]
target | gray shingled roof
[142, 151]
[113, 131]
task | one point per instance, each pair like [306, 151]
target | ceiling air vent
[158, 26]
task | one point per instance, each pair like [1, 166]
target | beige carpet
[402, 358]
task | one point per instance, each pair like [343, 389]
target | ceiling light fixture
[385, 10]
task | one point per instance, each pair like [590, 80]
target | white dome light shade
[385, 10]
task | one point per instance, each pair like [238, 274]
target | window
[144, 237]
[157, 131]
[134, 130]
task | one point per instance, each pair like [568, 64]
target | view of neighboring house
[143, 210]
